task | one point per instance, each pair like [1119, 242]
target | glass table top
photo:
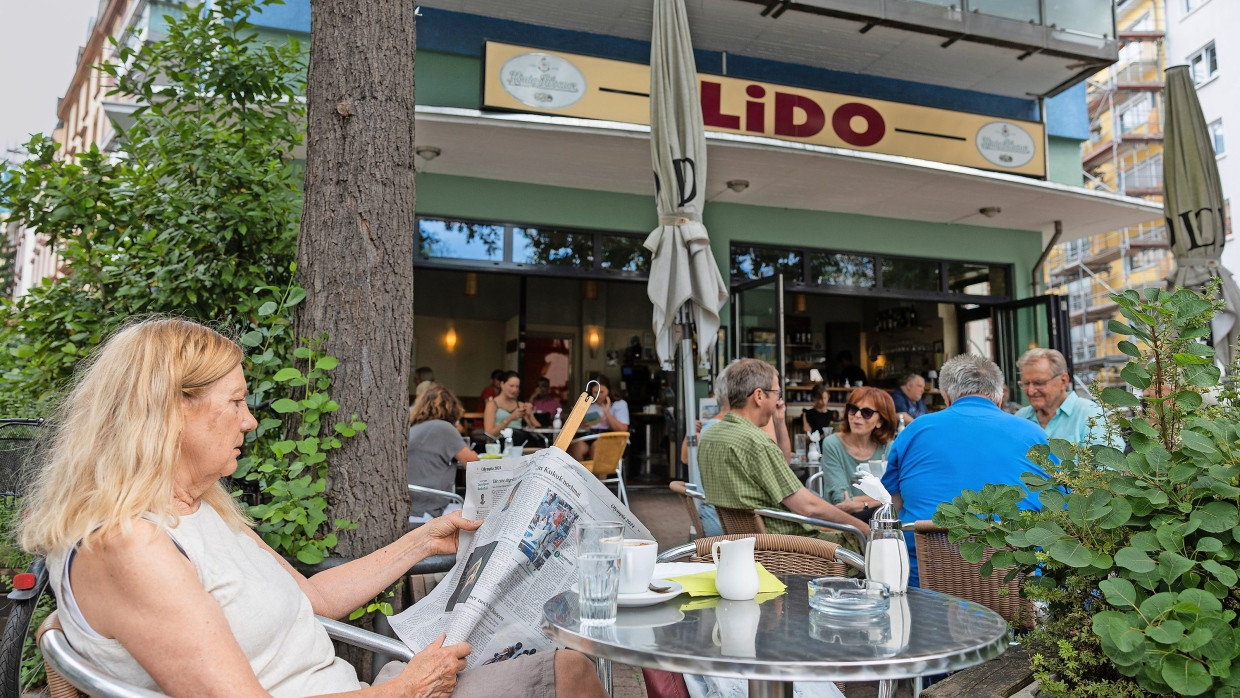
[782, 638]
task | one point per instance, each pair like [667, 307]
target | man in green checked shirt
[743, 469]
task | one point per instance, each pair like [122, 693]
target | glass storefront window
[760, 262]
[624, 254]
[552, 248]
[836, 269]
[977, 279]
[447, 239]
[911, 274]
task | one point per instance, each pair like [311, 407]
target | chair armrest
[365, 639]
[85, 677]
[677, 552]
[816, 478]
[587, 437]
[797, 518]
[450, 496]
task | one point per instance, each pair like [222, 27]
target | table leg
[603, 668]
[887, 688]
[770, 689]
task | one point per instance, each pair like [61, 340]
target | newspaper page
[523, 554]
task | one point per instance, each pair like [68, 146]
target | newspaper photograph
[523, 554]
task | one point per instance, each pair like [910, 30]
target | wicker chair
[69, 675]
[608, 461]
[750, 522]
[695, 521]
[779, 554]
[741, 522]
[941, 568]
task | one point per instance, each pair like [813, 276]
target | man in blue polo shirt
[970, 444]
[1052, 406]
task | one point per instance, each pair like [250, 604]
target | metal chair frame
[70, 675]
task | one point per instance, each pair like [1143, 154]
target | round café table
[782, 640]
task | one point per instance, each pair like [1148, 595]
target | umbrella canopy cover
[1193, 203]
[683, 269]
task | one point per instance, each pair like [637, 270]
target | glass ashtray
[845, 596]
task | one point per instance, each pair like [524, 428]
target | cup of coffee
[493, 449]
[637, 564]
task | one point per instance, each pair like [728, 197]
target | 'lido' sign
[521, 79]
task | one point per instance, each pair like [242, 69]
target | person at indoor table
[865, 435]
[159, 576]
[506, 411]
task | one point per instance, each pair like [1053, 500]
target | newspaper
[522, 555]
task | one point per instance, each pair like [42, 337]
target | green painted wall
[514, 202]
[447, 80]
[1064, 161]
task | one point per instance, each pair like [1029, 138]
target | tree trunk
[355, 252]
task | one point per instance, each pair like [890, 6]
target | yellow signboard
[519, 78]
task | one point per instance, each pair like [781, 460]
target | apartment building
[1124, 156]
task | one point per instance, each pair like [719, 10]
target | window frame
[506, 263]
[1215, 128]
[802, 285]
[1208, 56]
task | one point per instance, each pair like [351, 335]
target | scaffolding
[1124, 156]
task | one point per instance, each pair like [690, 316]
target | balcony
[1103, 258]
[1002, 47]
[1101, 307]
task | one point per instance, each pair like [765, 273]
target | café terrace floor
[664, 514]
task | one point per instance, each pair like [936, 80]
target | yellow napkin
[703, 583]
[712, 601]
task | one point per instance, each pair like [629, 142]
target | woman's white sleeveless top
[271, 618]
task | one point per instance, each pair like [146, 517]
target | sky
[38, 52]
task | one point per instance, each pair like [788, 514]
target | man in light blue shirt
[1060, 411]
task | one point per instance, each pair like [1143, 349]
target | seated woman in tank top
[161, 580]
[506, 411]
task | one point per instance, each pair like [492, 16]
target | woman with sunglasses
[866, 433]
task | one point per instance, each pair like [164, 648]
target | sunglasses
[865, 412]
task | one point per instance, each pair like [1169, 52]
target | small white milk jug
[736, 575]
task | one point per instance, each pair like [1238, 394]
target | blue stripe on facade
[292, 16]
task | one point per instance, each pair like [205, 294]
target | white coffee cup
[637, 560]
[493, 449]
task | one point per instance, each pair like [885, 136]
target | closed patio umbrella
[683, 271]
[1193, 204]
[685, 286]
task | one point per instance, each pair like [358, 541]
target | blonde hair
[114, 455]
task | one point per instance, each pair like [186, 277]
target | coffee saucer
[650, 598]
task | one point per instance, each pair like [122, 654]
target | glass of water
[599, 544]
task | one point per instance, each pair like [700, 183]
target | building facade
[898, 245]
[1124, 155]
[884, 179]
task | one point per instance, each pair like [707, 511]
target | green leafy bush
[197, 216]
[1136, 552]
[198, 208]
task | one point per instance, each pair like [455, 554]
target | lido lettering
[795, 115]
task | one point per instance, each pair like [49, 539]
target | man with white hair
[970, 444]
[1056, 408]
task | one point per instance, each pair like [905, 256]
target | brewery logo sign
[1005, 144]
[542, 80]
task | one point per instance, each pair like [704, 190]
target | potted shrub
[1133, 555]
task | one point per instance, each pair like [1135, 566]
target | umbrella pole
[688, 395]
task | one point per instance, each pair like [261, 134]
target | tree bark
[355, 251]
